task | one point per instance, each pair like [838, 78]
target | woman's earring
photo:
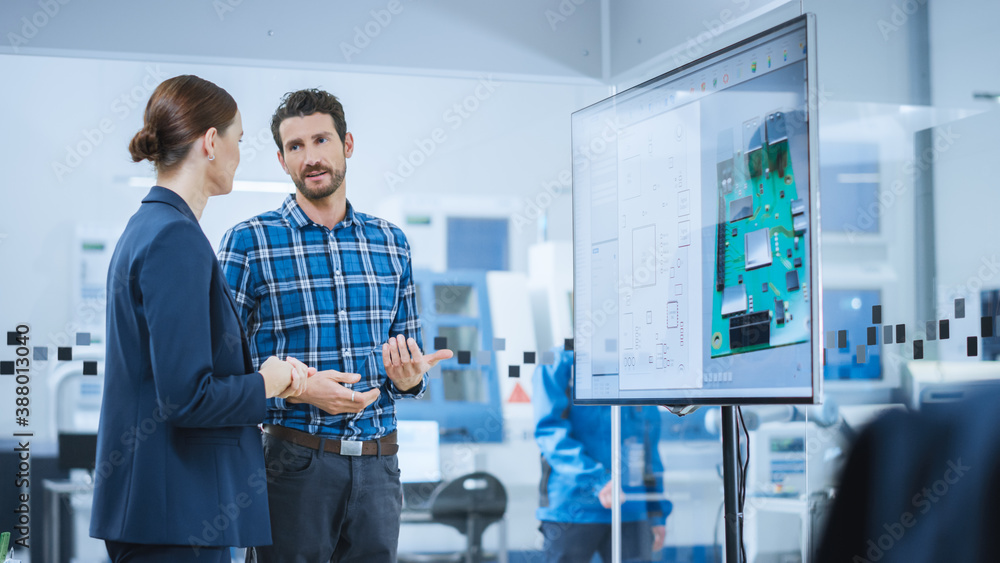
[211, 157]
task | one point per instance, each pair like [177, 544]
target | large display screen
[695, 227]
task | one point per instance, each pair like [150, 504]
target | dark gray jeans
[567, 542]
[329, 507]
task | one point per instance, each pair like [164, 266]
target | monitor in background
[419, 451]
[695, 225]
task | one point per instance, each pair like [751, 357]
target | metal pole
[56, 533]
[730, 474]
[616, 484]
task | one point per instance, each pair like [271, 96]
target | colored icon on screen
[725, 79]
[753, 66]
[702, 86]
[785, 54]
[769, 61]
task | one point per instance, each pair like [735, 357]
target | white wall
[859, 59]
[963, 61]
[649, 37]
[546, 40]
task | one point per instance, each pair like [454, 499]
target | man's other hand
[405, 364]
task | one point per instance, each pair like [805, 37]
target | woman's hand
[283, 379]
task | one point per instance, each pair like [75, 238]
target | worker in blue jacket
[575, 491]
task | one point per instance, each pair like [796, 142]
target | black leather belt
[386, 445]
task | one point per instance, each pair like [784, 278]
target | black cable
[746, 464]
[740, 480]
[740, 464]
[743, 484]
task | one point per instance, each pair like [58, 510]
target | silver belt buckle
[350, 447]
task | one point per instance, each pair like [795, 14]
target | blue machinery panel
[478, 243]
[464, 392]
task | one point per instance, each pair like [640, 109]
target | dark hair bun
[145, 146]
[180, 110]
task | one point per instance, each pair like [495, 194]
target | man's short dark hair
[303, 103]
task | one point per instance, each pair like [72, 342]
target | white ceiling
[548, 40]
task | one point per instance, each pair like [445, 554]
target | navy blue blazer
[179, 456]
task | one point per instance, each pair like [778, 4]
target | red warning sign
[518, 395]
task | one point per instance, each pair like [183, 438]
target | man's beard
[320, 192]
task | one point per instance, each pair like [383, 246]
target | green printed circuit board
[761, 296]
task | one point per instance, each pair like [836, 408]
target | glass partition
[908, 125]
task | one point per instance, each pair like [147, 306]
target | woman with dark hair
[180, 469]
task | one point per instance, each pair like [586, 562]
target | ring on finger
[352, 395]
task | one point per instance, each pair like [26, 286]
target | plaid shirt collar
[293, 213]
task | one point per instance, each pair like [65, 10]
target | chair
[469, 504]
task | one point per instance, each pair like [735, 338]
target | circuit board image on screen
[761, 262]
[695, 231]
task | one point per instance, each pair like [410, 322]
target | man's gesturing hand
[326, 392]
[405, 365]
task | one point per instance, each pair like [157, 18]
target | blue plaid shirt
[329, 297]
